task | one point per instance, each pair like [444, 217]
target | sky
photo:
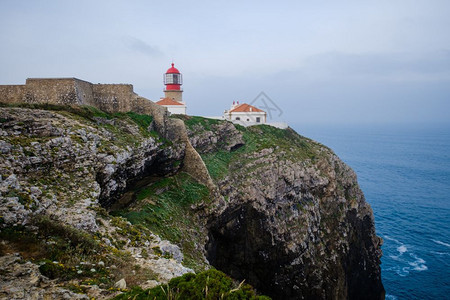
[316, 62]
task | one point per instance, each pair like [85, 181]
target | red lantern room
[173, 79]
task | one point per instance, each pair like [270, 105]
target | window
[248, 120]
[175, 79]
[237, 118]
[172, 79]
[258, 120]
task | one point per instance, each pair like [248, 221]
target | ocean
[404, 173]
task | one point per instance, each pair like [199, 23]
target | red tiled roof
[168, 101]
[244, 107]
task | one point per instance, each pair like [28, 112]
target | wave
[418, 263]
[440, 253]
[390, 239]
[441, 243]
[402, 249]
[406, 263]
[390, 297]
[402, 272]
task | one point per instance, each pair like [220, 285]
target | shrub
[76, 238]
[211, 284]
[54, 270]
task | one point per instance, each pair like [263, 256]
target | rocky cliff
[295, 223]
[89, 198]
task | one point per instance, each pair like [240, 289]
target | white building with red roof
[174, 107]
[245, 114]
[173, 92]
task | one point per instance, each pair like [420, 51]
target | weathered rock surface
[65, 166]
[219, 135]
[22, 280]
[284, 213]
[78, 163]
[295, 223]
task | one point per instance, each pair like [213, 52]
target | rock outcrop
[147, 198]
[295, 223]
[59, 170]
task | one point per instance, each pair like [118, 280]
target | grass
[210, 284]
[164, 207]
[65, 253]
[58, 249]
[286, 143]
[191, 121]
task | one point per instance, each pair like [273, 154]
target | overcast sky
[318, 61]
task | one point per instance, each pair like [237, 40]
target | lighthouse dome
[172, 70]
[173, 79]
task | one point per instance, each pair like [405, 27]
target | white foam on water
[418, 263]
[441, 243]
[402, 249]
[390, 239]
[390, 297]
[440, 253]
[405, 263]
[420, 268]
[403, 271]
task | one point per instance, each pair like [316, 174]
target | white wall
[249, 117]
[176, 109]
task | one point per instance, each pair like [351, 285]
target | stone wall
[12, 93]
[83, 91]
[113, 97]
[51, 90]
[72, 91]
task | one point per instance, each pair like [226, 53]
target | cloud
[142, 47]
[339, 66]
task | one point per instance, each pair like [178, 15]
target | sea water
[404, 173]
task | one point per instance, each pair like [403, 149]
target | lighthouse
[173, 81]
[173, 99]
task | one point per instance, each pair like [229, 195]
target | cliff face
[132, 191]
[59, 170]
[295, 223]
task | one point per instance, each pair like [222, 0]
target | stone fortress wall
[12, 93]
[73, 91]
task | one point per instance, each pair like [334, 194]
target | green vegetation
[164, 207]
[59, 249]
[191, 121]
[93, 114]
[143, 121]
[211, 284]
[66, 253]
[24, 198]
[77, 239]
[137, 234]
[66, 240]
[286, 142]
